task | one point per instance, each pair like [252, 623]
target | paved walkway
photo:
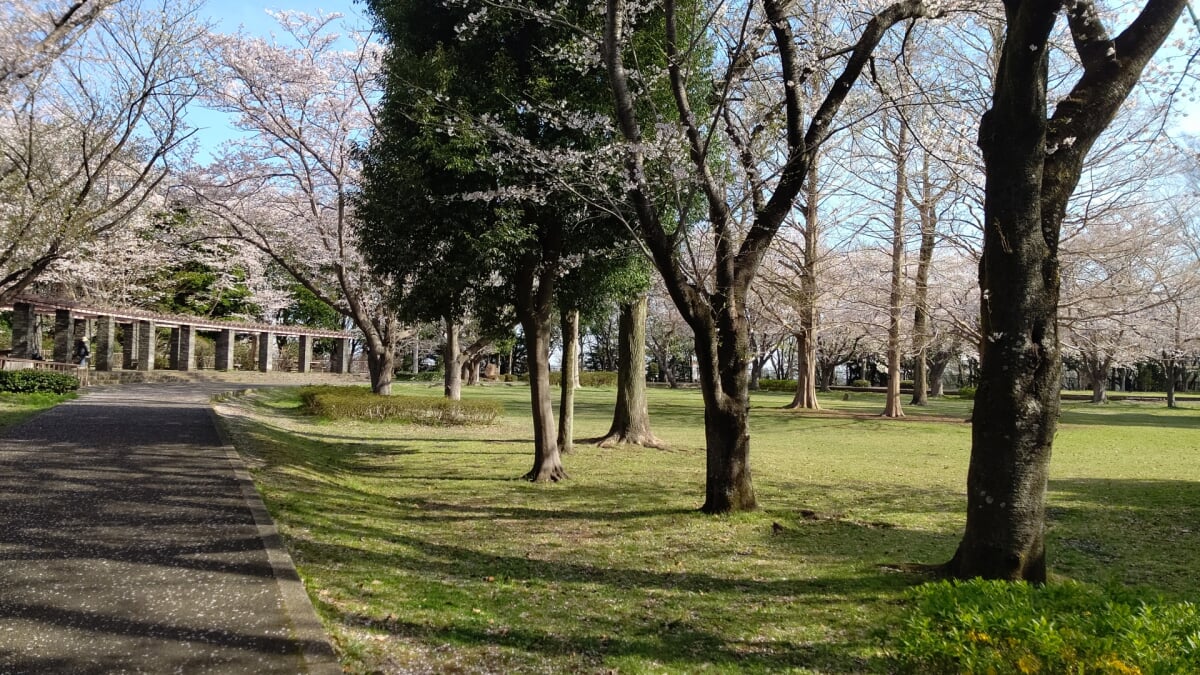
[131, 541]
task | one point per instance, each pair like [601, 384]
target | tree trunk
[664, 367]
[534, 305]
[1172, 374]
[1032, 165]
[547, 463]
[926, 207]
[473, 370]
[416, 354]
[567, 383]
[380, 364]
[721, 355]
[380, 346]
[937, 369]
[1097, 368]
[631, 419]
[756, 367]
[452, 367]
[1016, 404]
[892, 406]
[806, 337]
[806, 377]
[827, 375]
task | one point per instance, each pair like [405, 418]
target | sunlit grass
[423, 552]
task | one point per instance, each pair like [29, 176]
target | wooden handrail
[9, 363]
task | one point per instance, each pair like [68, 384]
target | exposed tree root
[617, 439]
[796, 406]
[551, 473]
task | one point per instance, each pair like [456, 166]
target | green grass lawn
[16, 408]
[424, 553]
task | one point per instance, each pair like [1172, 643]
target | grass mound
[998, 627]
[357, 403]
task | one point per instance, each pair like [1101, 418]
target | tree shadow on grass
[673, 644]
[1105, 417]
[1131, 531]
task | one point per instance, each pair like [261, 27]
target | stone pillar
[173, 350]
[304, 362]
[225, 350]
[129, 344]
[64, 335]
[81, 329]
[27, 336]
[185, 356]
[106, 338]
[340, 361]
[266, 352]
[146, 335]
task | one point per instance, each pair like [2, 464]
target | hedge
[765, 384]
[587, 378]
[358, 403]
[34, 381]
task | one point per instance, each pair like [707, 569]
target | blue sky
[228, 16]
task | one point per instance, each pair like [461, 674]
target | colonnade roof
[84, 310]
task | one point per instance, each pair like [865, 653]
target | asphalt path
[132, 541]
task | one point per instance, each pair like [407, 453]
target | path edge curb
[318, 653]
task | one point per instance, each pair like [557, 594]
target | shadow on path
[126, 543]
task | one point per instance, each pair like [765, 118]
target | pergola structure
[139, 332]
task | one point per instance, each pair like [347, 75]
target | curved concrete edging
[319, 657]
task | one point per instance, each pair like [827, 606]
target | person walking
[82, 353]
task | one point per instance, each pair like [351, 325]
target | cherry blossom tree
[1033, 161]
[761, 60]
[87, 140]
[37, 33]
[303, 102]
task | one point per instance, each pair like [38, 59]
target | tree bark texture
[1172, 371]
[631, 418]
[937, 370]
[892, 406]
[1032, 165]
[927, 208]
[380, 346]
[806, 337]
[568, 381]
[1097, 368]
[547, 462]
[452, 377]
[723, 383]
[535, 304]
[806, 377]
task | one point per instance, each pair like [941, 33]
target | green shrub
[906, 383]
[508, 377]
[423, 376]
[765, 384]
[1002, 627]
[860, 383]
[358, 403]
[32, 381]
[967, 393]
[587, 378]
